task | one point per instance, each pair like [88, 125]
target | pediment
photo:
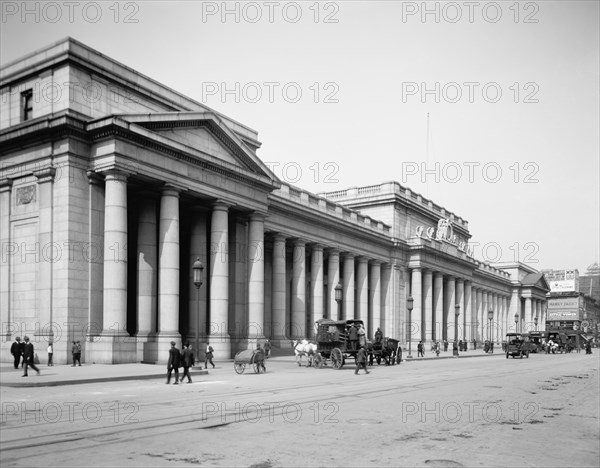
[206, 133]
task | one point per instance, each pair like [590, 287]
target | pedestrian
[362, 336]
[267, 349]
[209, 356]
[361, 360]
[187, 360]
[28, 356]
[260, 361]
[16, 349]
[76, 352]
[588, 347]
[420, 352]
[445, 345]
[50, 353]
[460, 345]
[378, 335]
[474, 344]
[437, 348]
[454, 348]
[174, 363]
[353, 337]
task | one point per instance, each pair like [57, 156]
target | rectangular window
[27, 105]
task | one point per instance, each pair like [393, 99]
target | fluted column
[256, 278]
[374, 296]
[316, 286]
[438, 305]
[468, 315]
[278, 326]
[219, 280]
[387, 300]
[6, 314]
[460, 300]
[515, 308]
[427, 316]
[449, 312]
[416, 291]
[299, 290]
[348, 285]
[333, 278]
[362, 293]
[528, 315]
[480, 322]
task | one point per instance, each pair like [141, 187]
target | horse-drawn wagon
[383, 350]
[338, 340]
[249, 357]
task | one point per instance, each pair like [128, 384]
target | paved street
[486, 411]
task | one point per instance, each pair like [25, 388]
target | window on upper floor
[26, 105]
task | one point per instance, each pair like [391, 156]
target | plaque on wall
[25, 195]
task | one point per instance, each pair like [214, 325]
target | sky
[490, 109]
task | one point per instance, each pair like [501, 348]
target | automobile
[536, 338]
[517, 344]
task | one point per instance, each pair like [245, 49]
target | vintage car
[517, 344]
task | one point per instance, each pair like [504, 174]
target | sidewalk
[94, 373]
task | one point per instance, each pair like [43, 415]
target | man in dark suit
[353, 337]
[28, 356]
[16, 349]
[174, 363]
[187, 360]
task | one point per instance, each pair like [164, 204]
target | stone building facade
[113, 185]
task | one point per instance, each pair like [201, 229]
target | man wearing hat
[173, 363]
[16, 349]
[28, 356]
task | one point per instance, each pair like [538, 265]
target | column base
[221, 345]
[111, 349]
[160, 344]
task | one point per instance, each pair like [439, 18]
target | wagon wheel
[239, 367]
[337, 359]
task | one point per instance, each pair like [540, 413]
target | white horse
[304, 348]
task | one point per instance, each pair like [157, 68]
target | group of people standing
[185, 359]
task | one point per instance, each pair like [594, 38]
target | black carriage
[249, 357]
[383, 350]
[334, 341]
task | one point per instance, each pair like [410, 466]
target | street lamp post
[409, 305]
[456, 314]
[338, 298]
[490, 337]
[535, 322]
[516, 323]
[197, 270]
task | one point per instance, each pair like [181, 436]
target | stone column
[460, 300]
[374, 295]
[514, 308]
[427, 316]
[333, 278]
[299, 290]
[438, 305]
[114, 346]
[219, 280]
[416, 291]
[480, 321]
[449, 312]
[147, 269]
[528, 321]
[44, 331]
[5, 240]
[348, 285]
[468, 313]
[94, 257]
[316, 287]
[256, 279]
[168, 272]
[278, 325]
[362, 296]
[387, 295]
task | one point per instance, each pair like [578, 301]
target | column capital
[279, 237]
[375, 262]
[114, 174]
[362, 259]
[316, 246]
[45, 175]
[460, 280]
[257, 216]
[348, 255]
[332, 250]
[221, 205]
[94, 178]
[297, 242]
[171, 190]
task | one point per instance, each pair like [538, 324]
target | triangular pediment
[536, 280]
[206, 133]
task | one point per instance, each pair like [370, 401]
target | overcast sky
[340, 91]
